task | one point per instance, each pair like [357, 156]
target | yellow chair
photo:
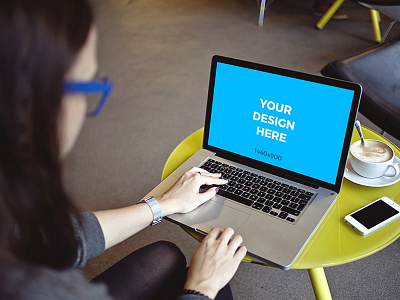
[375, 17]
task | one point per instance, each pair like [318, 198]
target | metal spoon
[358, 126]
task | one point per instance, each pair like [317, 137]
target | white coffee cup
[373, 160]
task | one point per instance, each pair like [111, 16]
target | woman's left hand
[184, 195]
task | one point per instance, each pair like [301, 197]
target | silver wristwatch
[155, 209]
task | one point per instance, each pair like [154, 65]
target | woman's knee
[167, 253]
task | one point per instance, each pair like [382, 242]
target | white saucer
[351, 175]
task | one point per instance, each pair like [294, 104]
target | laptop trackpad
[214, 214]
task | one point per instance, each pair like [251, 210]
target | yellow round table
[334, 242]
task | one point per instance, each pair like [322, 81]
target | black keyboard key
[234, 173]
[277, 182]
[301, 207]
[285, 202]
[223, 187]
[256, 180]
[250, 178]
[277, 199]
[278, 194]
[294, 193]
[269, 202]
[301, 191]
[267, 209]
[242, 181]
[233, 178]
[236, 198]
[261, 194]
[248, 183]
[277, 206]
[263, 189]
[293, 205]
[257, 206]
[254, 191]
[283, 215]
[231, 183]
[305, 197]
[290, 219]
[218, 163]
[261, 200]
[246, 194]
[256, 186]
[238, 192]
[271, 191]
[246, 189]
[290, 211]
[269, 196]
[253, 198]
[274, 213]
[226, 176]
[279, 188]
[231, 189]
[239, 186]
[295, 200]
[286, 197]
[309, 194]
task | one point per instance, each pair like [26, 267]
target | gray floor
[158, 53]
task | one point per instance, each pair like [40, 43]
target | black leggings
[157, 271]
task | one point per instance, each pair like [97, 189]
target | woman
[48, 61]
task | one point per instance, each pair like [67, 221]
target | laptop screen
[291, 123]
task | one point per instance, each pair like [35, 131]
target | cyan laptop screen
[290, 123]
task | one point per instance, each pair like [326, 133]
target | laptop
[282, 139]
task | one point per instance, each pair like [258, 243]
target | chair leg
[375, 17]
[320, 284]
[329, 13]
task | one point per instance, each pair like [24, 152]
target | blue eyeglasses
[97, 90]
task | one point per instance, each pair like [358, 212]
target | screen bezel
[356, 88]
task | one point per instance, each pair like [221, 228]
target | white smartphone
[373, 216]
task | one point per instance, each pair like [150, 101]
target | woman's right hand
[215, 262]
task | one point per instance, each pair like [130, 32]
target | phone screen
[374, 214]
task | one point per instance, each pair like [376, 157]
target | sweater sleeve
[90, 236]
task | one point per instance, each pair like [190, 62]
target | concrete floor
[158, 54]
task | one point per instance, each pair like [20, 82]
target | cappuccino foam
[372, 151]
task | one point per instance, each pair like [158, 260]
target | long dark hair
[39, 41]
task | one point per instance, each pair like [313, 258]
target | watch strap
[155, 209]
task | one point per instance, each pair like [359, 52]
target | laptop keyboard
[264, 194]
